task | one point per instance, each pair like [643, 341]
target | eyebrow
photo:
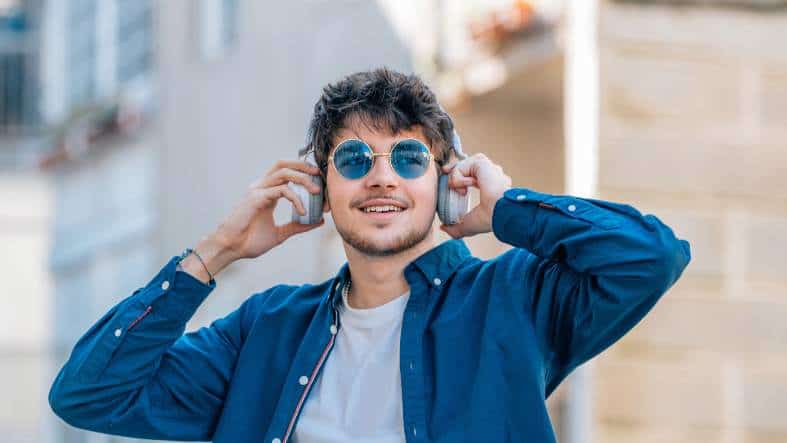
[398, 139]
[358, 136]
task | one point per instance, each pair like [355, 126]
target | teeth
[386, 208]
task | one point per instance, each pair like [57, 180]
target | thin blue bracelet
[188, 251]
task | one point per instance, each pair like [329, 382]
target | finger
[299, 165]
[451, 230]
[461, 190]
[266, 196]
[292, 228]
[290, 195]
[457, 179]
[467, 167]
[296, 165]
[450, 165]
[452, 161]
[284, 175]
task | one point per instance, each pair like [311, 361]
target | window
[18, 76]
[217, 23]
[81, 52]
[134, 39]
[109, 44]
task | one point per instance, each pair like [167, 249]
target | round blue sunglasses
[353, 158]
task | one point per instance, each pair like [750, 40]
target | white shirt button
[275, 440]
[572, 208]
[303, 380]
[521, 197]
[165, 285]
[437, 281]
[333, 329]
[118, 332]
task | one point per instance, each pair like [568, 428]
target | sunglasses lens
[410, 158]
[353, 159]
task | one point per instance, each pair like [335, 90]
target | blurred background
[130, 128]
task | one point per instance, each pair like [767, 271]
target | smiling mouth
[381, 209]
[382, 213]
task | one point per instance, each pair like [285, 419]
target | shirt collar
[436, 265]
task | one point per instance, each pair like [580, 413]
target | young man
[410, 341]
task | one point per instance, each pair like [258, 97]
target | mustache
[358, 202]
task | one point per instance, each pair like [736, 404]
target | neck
[378, 280]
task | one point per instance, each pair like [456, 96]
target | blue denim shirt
[483, 343]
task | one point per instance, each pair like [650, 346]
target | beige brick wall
[694, 130]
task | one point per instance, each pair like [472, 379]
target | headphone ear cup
[451, 206]
[312, 203]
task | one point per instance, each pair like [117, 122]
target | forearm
[592, 237]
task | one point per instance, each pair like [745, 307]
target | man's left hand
[480, 172]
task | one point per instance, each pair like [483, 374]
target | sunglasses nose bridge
[386, 164]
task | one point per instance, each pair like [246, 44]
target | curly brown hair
[381, 99]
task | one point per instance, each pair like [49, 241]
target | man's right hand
[250, 230]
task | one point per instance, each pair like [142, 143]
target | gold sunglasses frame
[378, 154]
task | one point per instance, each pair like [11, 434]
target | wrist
[215, 253]
[210, 256]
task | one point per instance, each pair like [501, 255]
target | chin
[380, 240]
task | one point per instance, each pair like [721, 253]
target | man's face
[381, 234]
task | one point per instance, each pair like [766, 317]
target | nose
[382, 175]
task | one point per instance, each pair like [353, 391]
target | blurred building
[25, 215]
[693, 110]
[95, 86]
[691, 118]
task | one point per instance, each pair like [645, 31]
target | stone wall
[693, 111]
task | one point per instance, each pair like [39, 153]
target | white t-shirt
[358, 395]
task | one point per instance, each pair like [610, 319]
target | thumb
[471, 224]
[292, 228]
[452, 230]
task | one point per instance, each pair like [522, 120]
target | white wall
[224, 122]
[25, 308]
